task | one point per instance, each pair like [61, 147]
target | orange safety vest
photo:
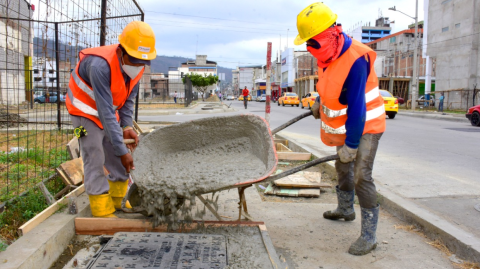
[80, 99]
[329, 87]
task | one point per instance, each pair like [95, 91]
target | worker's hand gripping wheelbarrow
[225, 145]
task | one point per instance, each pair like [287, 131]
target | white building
[247, 76]
[15, 51]
[200, 66]
[288, 70]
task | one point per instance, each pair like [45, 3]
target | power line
[220, 25]
[215, 29]
[211, 18]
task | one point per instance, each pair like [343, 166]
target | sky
[234, 33]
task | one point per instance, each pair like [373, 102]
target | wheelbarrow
[240, 151]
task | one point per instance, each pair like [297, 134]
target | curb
[462, 243]
[435, 117]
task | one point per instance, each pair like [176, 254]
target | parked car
[230, 97]
[52, 99]
[309, 99]
[240, 98]
[421, 100]
[473, 115]
[263, 98]
[401, 101]
[390, 103]
[289, 98]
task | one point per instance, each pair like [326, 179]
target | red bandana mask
[331, 43]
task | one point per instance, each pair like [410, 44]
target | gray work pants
[358, 174]
[96, 151]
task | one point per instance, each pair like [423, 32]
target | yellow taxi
[309, 99]
[249, 98]
[390, 103]
[289, 98]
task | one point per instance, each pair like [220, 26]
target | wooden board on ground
[282, 148]
[294, 156]
[282, 141]
[29, 225]
[110, 226]
[72, 171]
[302, 179]
[297, 192]
[73, 148]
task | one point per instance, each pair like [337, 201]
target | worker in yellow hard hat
[100, 100]
[352, 115]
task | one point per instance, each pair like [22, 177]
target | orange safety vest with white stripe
[333, 113]
[80, 99]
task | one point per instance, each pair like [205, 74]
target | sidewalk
[434, 115]
[453, 225]
[199, 108]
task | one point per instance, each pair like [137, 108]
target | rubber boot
[368, 239]
[345, 206]
[118, 190]
[102, 206]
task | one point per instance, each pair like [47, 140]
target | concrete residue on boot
[201, 156]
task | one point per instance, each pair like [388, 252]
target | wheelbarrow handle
[302, 167]
[292, 121]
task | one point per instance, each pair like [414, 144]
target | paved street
[434, 163]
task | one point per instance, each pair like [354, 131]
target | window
[393, 39]
[291, 94]
[52, 79]
[457, 25]
[37, 79]
[50, 71]
[385, 94]
[35, 71]
[445, 29]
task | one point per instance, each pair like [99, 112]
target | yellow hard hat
[138, 40]
[313, 20]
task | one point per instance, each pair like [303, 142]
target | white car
[230, 97]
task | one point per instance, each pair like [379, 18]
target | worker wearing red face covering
[352, 115]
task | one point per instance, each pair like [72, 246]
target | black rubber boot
[368, 239]
[345, 206]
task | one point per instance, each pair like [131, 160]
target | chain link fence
[40, 43]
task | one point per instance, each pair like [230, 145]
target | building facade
[367, 33]
[16, 38]
[453, 40]
[200, 66]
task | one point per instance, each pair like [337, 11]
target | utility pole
[415, 55]
[267, 80]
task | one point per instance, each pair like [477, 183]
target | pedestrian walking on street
[245, 96]
[345, 82]
[440, 104]
[175, 97]
[100, 100]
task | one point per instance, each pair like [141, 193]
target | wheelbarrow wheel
[135, 200]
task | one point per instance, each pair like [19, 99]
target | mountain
[162, 63]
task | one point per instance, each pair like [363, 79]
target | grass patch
[38, 154]
[19, 211]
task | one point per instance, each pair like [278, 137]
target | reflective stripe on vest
[80, 105]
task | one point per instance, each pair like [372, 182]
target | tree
[200, 82]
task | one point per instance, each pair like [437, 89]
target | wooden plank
[282, 141]
[137, 127]
[39, 218]
[110, 226]
[272, 253]
[302, 179]
[282, 148]
[294, 156]
[48, 196]
[270, 190]
[64, 177]
[297, 192]
[73, 148]
[73, 169]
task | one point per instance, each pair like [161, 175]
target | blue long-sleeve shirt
[353, 95]
[95, 71]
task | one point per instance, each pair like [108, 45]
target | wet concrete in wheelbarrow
[198, 157]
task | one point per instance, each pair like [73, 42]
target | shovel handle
[302, 167]
[292, 121]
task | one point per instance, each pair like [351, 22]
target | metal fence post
[57, 79]
[103, 23]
